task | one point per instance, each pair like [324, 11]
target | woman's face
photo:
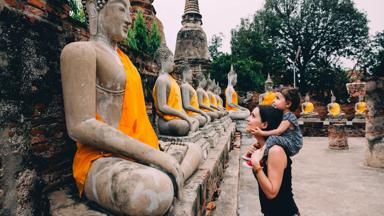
[115, 19]
[254, 120]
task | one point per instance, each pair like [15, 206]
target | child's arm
[284, 125]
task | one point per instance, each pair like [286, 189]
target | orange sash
[268, 98]
[234, 101]
[206, 102]
[194, 103]
[134, 122]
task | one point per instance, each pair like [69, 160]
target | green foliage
[215, 44]
[373, 56]
[77, 11]
[140, 39]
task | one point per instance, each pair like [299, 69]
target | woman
[273, 172]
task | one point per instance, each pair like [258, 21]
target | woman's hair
[271, 115]
[292, 95]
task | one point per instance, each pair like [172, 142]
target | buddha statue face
[164, 59]
[232, 77]
[187, 73]
[234, 80]
[333, 99]
[268, 87]
[210, 85]
[361, 98]
[306, 99]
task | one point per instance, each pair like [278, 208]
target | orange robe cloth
[268, 99]
[134, 122]
[194, 103]
[334, 109]
[361, 107]
[213, 100]
[173, 100]
[234, 101]
[206, 102]
[309, 108]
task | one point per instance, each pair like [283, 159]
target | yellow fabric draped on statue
[206, 102]
[308, 107]
[213, 100]
[361, 107]
[194, 103]
[334, 109]
[173, 100]
[134, 122]
[234, 101]
[268, 98]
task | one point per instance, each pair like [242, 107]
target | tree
[372, 61]
[140, 32]
[325, 29]
[215, 44]
[154, 40]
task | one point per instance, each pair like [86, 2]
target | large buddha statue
[334, 109]
[268, 96]
[203, 98]
[117, 163]
[360, 108]
[189, 97]
[173, 120]
[236, 112]
[307, 109]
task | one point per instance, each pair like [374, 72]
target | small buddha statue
[268, 96]
[118, 163]
[189, 96]
[334, 109]
[307, 109]
[203, 98]
[173, 120]
[236, 112]
[360, 108]
[212, 97]
[217, 92]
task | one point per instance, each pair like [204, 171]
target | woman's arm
[277, 161]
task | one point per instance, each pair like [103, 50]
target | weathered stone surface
[337, 137]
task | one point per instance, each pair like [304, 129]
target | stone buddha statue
[236, 112]
[173, 120]
[117, 163]
[189, 97]
[217, 92]
[268, 96]
[203, 98]
[360, 108]
[307, 109]
[212, 97]
[334, 109]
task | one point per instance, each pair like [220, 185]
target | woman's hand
[258, 155]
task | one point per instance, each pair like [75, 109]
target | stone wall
[36, 153]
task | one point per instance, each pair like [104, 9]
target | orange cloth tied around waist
[309, 107]
[213, 100]
[194, 103]
[134, 122]
[334, 109]
[173, 100]
[268, 98]
[234, 101]
[206, 102]
[361, 107]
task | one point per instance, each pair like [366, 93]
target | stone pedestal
[337, 137]
[210, 135]
[219, 127]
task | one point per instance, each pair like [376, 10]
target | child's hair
[292, 95]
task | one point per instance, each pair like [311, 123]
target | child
[288, 134]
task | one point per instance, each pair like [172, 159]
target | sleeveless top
[283, 204]
[134, 122]
[194, 103]
[234, 101]
[174, 99]
[268, 98]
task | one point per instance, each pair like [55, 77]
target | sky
[220, 16]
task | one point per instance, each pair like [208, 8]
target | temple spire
[192, 12]
[191, 6]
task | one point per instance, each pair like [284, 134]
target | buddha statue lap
[203, 97]
[117, 163]
[173, 120]
[268, 96]
[189, 97]
[307, 109]
[236, 112]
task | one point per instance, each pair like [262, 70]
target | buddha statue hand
[193, 124]
[207, 117]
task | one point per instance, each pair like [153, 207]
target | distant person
[288, 134]
[273, 171]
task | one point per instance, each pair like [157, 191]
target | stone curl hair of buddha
[162, 54]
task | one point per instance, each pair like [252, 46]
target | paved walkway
[325, 182]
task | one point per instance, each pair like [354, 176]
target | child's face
[280, 102]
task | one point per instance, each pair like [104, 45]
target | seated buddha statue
[189, 97]
[360, 108]
[212, 97]
[334, 109]
[118, 163]
[268, 96]
[220, 103]
[203, 98]
[236, 112]
[173, 120]
[307, 109]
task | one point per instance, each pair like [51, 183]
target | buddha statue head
[232, 77]
[306, 98]
[201, 80]
[186, 72]
[108, 19]
[164, 59]
[210, 84]
[268, 85]
[333, 97]
[217, 89]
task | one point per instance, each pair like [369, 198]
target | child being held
[288, 134]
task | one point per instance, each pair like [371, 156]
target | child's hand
[257, 132]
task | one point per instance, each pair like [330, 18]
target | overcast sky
[224, 15]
